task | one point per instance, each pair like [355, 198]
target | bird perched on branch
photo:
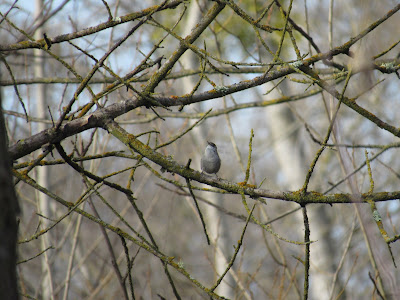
[210, 162]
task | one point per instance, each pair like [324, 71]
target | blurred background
[77, 258]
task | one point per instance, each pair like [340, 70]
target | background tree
[301, 99]
[8, 226]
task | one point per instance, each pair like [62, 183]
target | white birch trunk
[293, 165]
[215, 221]
[41, 173]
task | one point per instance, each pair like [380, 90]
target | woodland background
[107, 108]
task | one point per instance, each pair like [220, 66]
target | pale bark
[289, 151]
[42, 174]
[215, 221]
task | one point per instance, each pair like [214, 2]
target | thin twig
[197, 205]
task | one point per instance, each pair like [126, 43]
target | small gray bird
[210, 162]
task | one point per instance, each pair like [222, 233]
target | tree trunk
[8, 225]
[42, 174]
